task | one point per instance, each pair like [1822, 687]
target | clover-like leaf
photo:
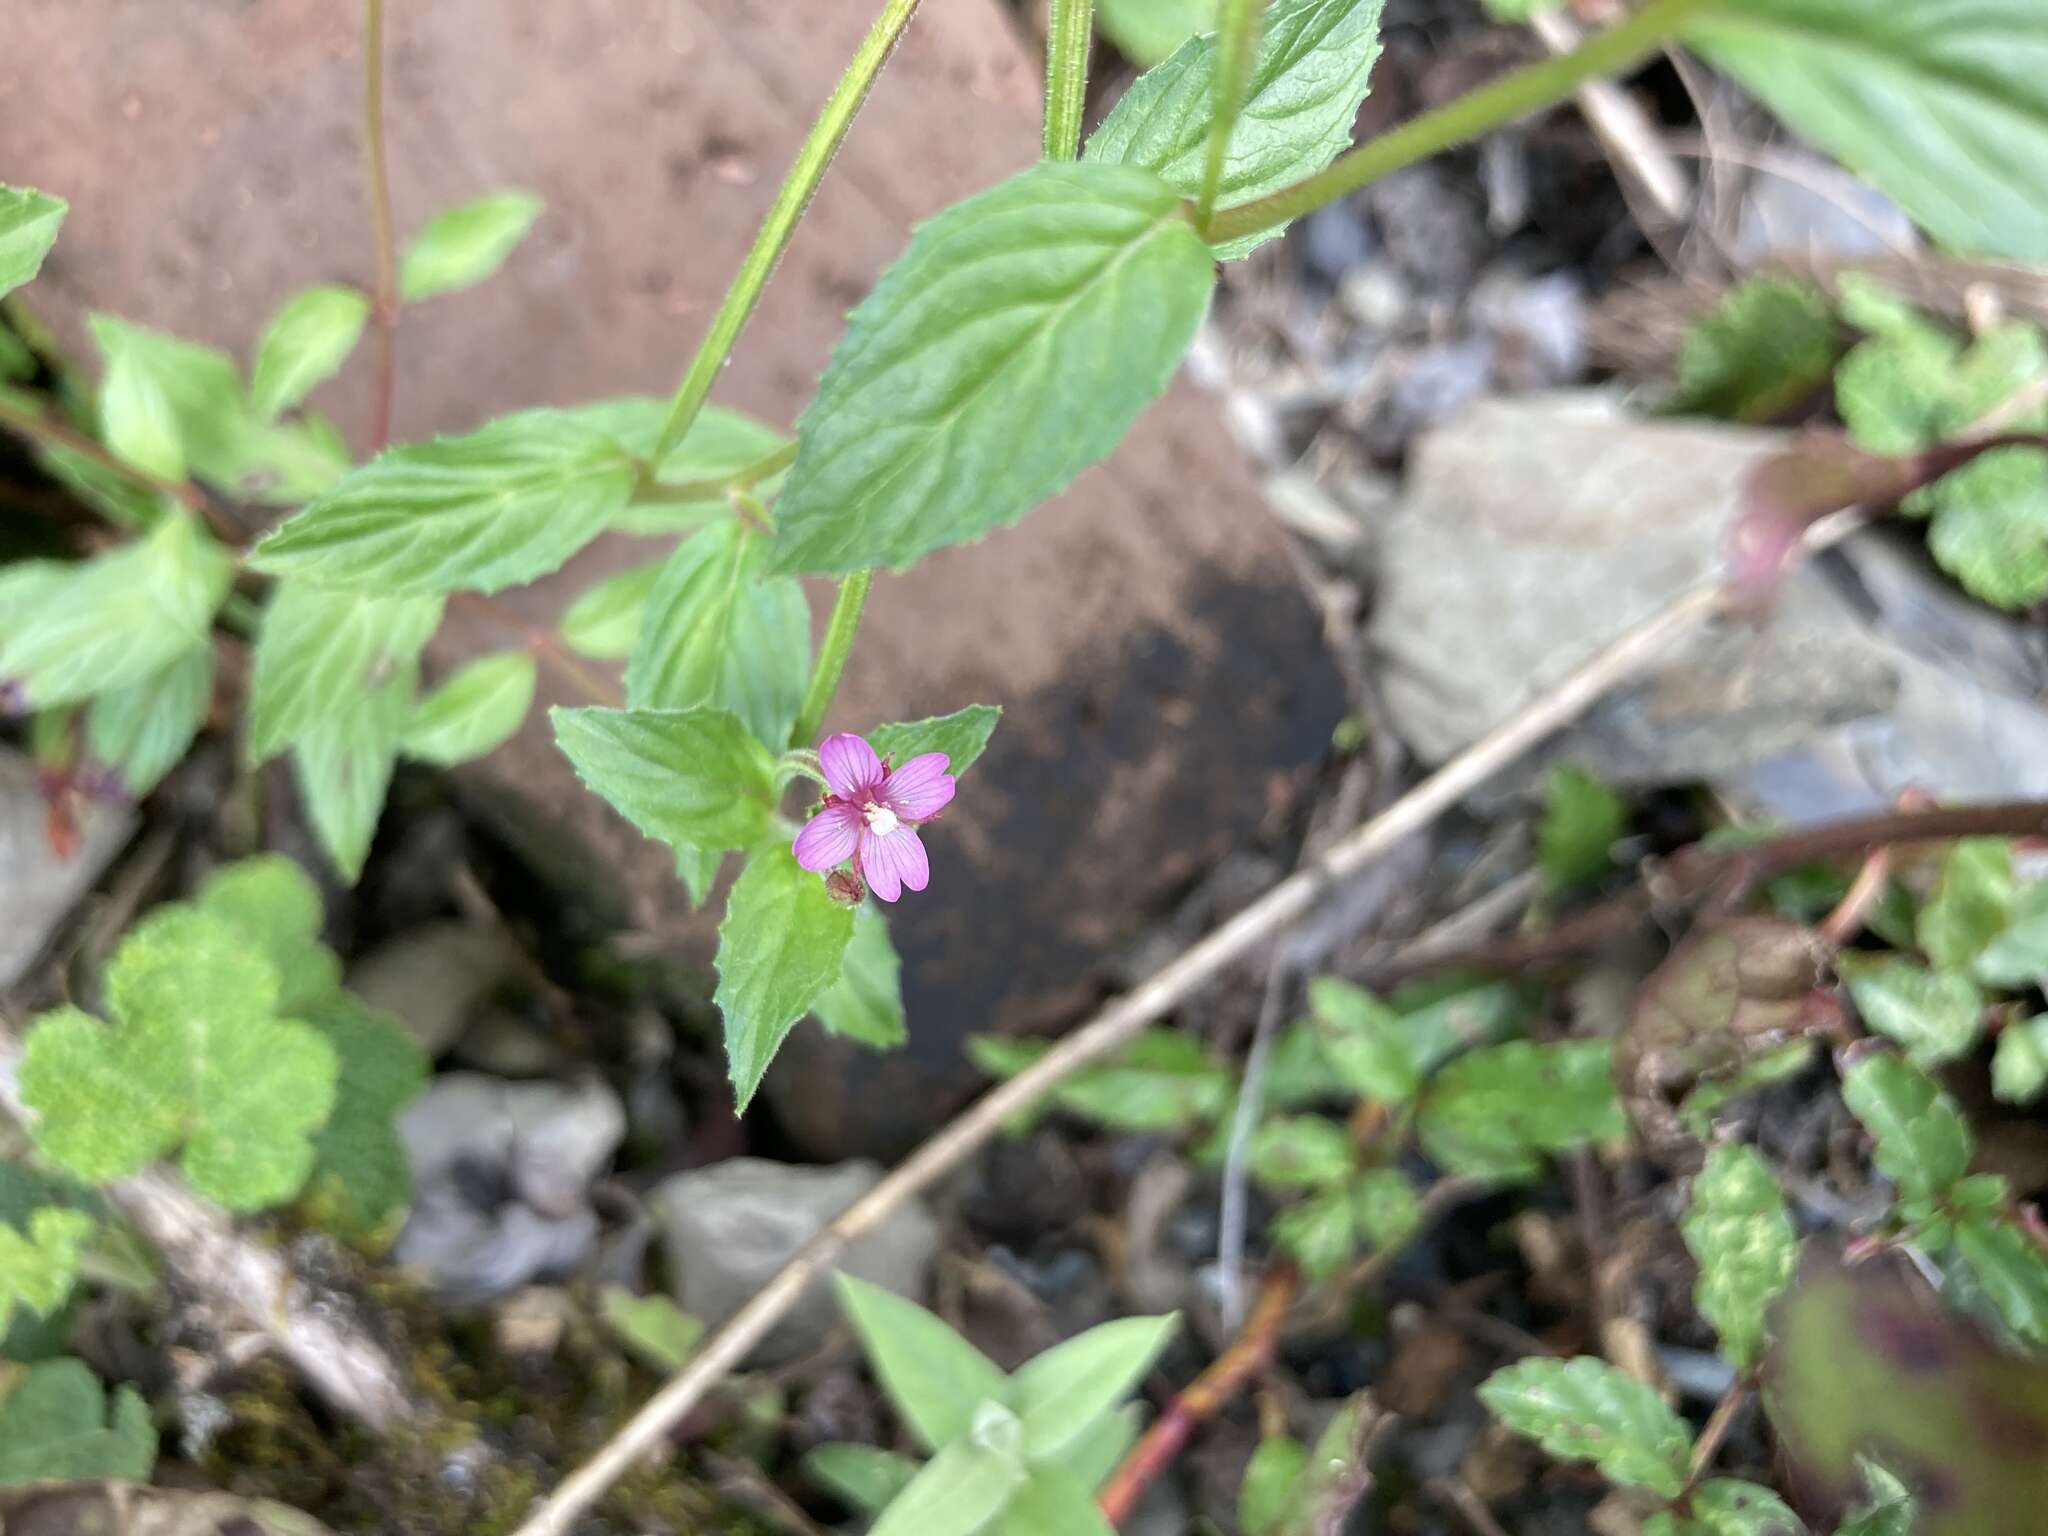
[196, 1055]
[695, 778]
[362, 1180]
[321, 645]
[463, 245]
[963, 736]
[55, 1427]
[72, 631]
[1314, 62]
[28, 228]
[1742, 1237]
[277, 909]
[1063, 297]
[1923, 1144]
[141, 730]
[935, 1378]
[508, 502]
[474, 712]
[39, 1263]
[1065, 1392]
[866, 1002]
[1587, 1410]
[780, 947]
[305, 344]
[1763, 349]
[715, 631]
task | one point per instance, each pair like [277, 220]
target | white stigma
[881, 820]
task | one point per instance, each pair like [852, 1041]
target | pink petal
[850, 764]
[893, 862]
[829, 838]
[919, 789]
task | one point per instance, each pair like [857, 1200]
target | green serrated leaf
[39, 1263]
[55, 1427]
[343, 767]
[1270, 1479]
[1064, 1393]
[1319, 1233]
[118, 619]
[277, 909]
[305, 345]
[935, 1378]
[605, 621]
[1365, 1042]
[1314, 62]
[2018, 957]
[28, 228]
[1888, 1510]
[1923, 1146]
[136, 420]
[721, 445]
[716, 632]
[463, 245]
[959, 1492]
[1064, 297]
[781, 945]
[323, 644]
[963, 736]
[2019, 1067]
[196, 1055]
[1935, 1015]
[501, 506]
[698, 869]
[1726, 1506]
[1847, 73]
[1971, 903]
[695, 778]
[473, 713]
[1741, 1234]
[1582, 818]
[866, 1002]
[1991, 526]
[1491, 1112]
[863, 1477]
[654, 1328]
[1587, 1410]
[1765, 348]
[223, 440]
[141, 730]
[362, 1180]
[1384, 1208]
[1148, 31]
[1052, 1500]
[2011, 1268]
[1301, 1152]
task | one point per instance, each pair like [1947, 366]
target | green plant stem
[1237, 43]
[1069, 34]
[805, 173]
[1512, 96]
[385, 313]
[839, 632]
[655, 491]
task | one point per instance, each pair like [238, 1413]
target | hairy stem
[1237, 44]
[384, 314]
[839, 633]
[1514, 95]
[1069, 35]
[1200, 1401]
[805, 173]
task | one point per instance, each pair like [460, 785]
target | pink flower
[872, 813]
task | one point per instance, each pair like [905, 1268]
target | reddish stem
[385, 313]
[1227, 1374]
[1846, 921]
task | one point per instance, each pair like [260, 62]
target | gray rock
[501, 1178]
[1540, 324]
[732, 1225]
[1534, 531]
[435, 978]
[37, 888]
